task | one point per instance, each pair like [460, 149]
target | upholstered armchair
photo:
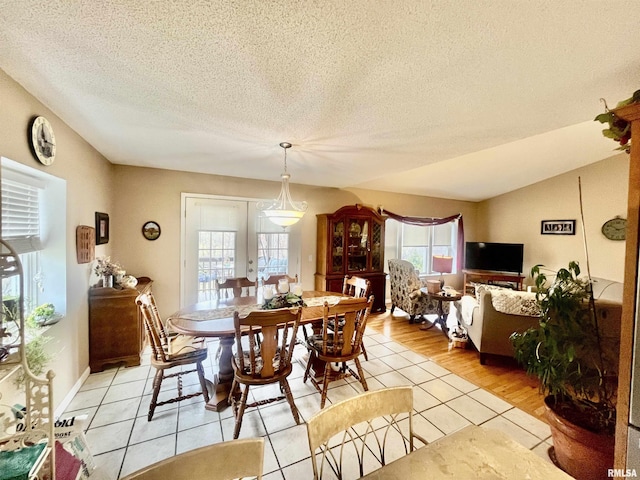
[405, 291]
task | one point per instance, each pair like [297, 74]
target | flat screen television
[499, 257]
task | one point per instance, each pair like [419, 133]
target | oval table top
[214, 318]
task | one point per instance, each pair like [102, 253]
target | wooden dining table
[214, 318]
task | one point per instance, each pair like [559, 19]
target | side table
[448, 295]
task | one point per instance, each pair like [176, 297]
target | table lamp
[442, 264]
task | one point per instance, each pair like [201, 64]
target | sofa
[406, 294]
[495, 313]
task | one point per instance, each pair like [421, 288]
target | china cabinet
[116, 328]
[26, 431]
[351, 242]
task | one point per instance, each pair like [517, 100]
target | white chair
[361, 434]
[220, 461]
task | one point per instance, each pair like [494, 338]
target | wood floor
[501, 376]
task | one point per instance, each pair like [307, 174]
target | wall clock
[615, 229]
[43, 141]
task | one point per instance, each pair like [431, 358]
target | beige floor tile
[490, 400]
[109, 437]
[441, 390]
[445, 419]
[198, 437]
[416, 374]
[471, 409]
[290, 445]
[147, 453]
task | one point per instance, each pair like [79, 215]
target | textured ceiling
[459, 99]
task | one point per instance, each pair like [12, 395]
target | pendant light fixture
[283, 211]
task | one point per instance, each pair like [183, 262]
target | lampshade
[283, 210]
[442, 264]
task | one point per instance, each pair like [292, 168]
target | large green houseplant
[568, 355]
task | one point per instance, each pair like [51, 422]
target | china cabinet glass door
[337, 247]
[357, 244]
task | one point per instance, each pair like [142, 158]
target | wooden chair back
[334, 444]
[356, 286]
[169, 351]
[273, 279]
[222, 461]
[156, 335]
[236, 287]
[265, 361]
[271, 337]
[344, 344]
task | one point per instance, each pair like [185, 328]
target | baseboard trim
[72, 393]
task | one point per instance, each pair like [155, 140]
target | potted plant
[618, 129]
[43, 315]
[566, 352]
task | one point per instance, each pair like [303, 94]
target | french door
[226, 237]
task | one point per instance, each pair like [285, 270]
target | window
[21, 228]
[34, 223]
[273, 254]
[216, 259]
[419, 244]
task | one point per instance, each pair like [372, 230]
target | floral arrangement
[619, 130]
[104, 266]
[284, 300]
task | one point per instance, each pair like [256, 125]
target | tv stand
[489, 277]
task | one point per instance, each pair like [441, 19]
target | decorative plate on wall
[151, 230]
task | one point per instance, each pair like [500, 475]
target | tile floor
[122, 440]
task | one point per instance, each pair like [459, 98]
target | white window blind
[21, 216]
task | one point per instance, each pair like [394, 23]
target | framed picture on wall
[102, 228]
[558, 227]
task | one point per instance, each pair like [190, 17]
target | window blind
[21, 216]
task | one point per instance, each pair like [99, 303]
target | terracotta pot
[582, 454]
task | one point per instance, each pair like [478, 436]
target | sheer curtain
[429, 221]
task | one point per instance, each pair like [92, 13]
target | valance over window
[430, 221]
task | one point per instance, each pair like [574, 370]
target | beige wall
[88, 176]
[516, 216]
[143, 194]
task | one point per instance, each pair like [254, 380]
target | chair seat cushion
[315, 342]
[259, 362]
[187, 352]
[332, 324]
[179, 344]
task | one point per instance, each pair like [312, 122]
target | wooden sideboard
[489, 277]
[116, 328]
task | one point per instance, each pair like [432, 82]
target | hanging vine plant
[619, 130]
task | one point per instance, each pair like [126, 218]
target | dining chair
[370, 428]
[171, 351]
[357, 287]
[235, 287]
[273, 279]
[220, 461]
[262, 361]
[340, 346]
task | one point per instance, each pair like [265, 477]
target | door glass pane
[216, 260]
[273, 254]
